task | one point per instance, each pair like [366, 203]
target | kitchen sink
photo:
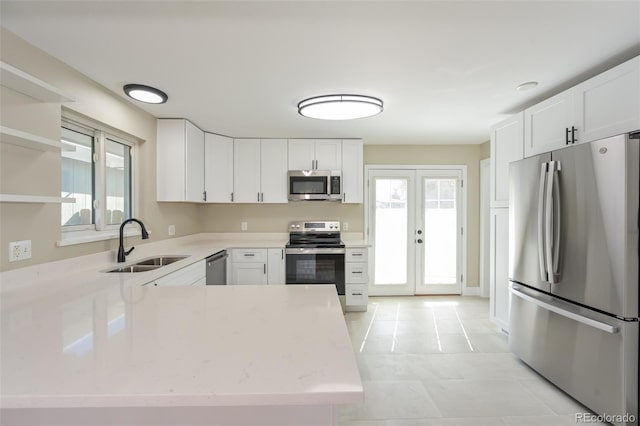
[161, 260]
[148, 264]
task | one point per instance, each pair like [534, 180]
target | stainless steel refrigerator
[573, 271]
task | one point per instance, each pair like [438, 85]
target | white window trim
[80, 234]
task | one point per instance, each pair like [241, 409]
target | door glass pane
[440, 231]
[77, 178]
[391, 215]
[118, 178]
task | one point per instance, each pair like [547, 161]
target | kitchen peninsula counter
[123, 354]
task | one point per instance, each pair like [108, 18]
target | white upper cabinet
[352, 171]
[273, 175]
[506, 146]
[547, 124]
[246, 170]
[329, 154]
[180, 161]
[603, 106]
[609, 104]
[319, 154]
[218, 168]
[260, 171]
[302, 154]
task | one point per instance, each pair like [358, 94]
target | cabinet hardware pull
[265, 268]
[204, 195]
[356, 254]
[282, 254]
[258, 197]
[356, 272]
[566, 137]
[232, 196]
[356, 294]
[573, 134]
[249, 254]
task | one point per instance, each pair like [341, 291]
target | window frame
[100, 135]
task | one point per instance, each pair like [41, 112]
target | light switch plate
[172, 230]
[19, 250]
[243, 226]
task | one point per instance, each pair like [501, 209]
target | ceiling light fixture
[340, 107]
[147, 94]
[527, 86]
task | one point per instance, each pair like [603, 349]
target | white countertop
[73, 336]
[124, 346]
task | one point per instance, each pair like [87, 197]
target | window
[96, 182]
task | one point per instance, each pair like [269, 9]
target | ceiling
[446, 70]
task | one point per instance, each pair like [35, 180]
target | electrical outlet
[172, 230]
[345, 226]
[243, 226]
[19, 250]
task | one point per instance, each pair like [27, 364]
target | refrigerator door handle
[548, 223]
[557, 225]
[541, 210]
[567, 314]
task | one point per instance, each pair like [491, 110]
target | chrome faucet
[122, 254]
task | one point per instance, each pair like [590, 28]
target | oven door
[316, 266]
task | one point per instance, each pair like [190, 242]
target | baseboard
[471, 291]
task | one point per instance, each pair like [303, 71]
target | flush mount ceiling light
[527, 86]
[340, 107]
[147, 94]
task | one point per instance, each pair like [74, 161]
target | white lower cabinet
[356, 271]
[276, 271]
[250, 266]
[194, 274]
[499, 270]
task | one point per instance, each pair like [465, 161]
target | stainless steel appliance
[217, 268]
[314, 185]
[315, 254]
[573, 267]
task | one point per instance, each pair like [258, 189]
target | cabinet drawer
[249, 255]
[356, 294]
[355, 273]
[356, 254]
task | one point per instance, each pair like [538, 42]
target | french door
[416, 228]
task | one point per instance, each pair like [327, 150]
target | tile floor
[439, 360]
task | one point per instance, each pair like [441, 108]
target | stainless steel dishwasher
[217, 268]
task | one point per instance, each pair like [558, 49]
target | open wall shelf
[25, 83]
[28, 140]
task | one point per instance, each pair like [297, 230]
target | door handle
[541, 210]
[567, 314]
[552, 223]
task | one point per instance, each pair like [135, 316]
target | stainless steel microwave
[314, 185]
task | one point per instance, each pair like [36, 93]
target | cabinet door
[246, 170]
[301, 154]
[170, 160]
[506, 146]
[546, 124]
[276, 271]
[609, 104]
[352, 171]
[499, 268]
[218, 168]
[273, 180]
[328, 154]
[194, 163]
[249, 273]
